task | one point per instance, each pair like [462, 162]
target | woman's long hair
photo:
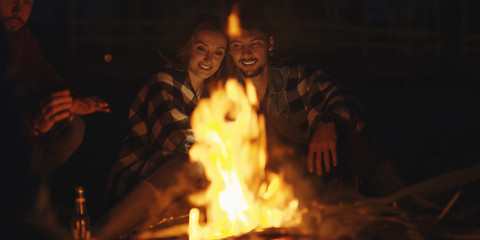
[204, 22]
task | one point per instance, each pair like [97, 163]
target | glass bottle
[80, 221]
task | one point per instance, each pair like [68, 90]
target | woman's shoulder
[169, 75]
[166, 76]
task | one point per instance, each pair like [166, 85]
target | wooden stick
[449, 205]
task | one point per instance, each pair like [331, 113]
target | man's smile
[248, 62]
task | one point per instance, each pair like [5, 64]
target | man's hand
[322, 148]
[88, 105]
[54, 108]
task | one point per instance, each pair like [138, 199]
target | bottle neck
[80, 205]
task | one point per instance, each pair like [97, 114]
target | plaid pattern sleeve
[320, 97]
[159, 125]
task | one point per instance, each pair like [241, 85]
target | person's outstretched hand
[88, 105]
[54, 108]
[323, 148]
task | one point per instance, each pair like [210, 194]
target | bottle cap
[79, 190]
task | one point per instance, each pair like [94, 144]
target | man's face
[14, 13]
[250, 52]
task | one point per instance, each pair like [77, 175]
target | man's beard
[254, 73]
[9, 28]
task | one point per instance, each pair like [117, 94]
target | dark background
[413, 64]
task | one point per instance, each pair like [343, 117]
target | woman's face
[206, 55]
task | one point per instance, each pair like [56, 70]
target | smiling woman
[205, 57]
[152, 169]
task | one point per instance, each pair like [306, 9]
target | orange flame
[231, 145]
[234, 26]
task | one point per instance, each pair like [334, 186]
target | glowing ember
[230, 143]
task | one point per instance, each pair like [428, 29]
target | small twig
[170, 219]
[428, 204]
[447, 208]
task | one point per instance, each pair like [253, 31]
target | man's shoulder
[290, 68]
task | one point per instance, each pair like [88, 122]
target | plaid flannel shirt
[299, 96]
[159, 122]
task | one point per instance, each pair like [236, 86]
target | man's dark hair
[252, 18]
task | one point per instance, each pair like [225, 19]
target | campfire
[243, 199]
[231, 145]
